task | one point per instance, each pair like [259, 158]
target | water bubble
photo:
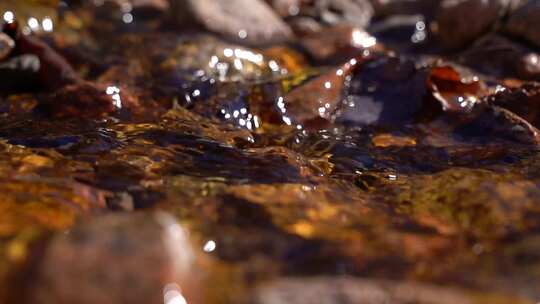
[209, 246]
[242, 34]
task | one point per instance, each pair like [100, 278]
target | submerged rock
[492, 123]
[85, 100]
[118, 258]
[384, 91]
[313, 103]
[211, 58]
[383, 166]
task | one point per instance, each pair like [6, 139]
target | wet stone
[354, 12]
[6, 45]
[394, 91]
[384, 91]
[456, 90]
[245, 21]
[462, 21]
[500, 57]
[524, 21]
[523, 101]
[496, 122]
[214, 160]
[313, 103]
[207, 59]
[84, 100]
[338, 43]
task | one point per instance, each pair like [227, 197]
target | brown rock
[498, 56]
[337, 43]
[454, 91]
[247, 21]
[495, 122]
[525, 22]
[523, 101]
[313, 103]
[85, 100]
[462, 21]
[120, 258]
[55, 72]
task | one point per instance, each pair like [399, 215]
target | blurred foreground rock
[331, 290]
[118, 258]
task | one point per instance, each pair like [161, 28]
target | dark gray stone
[385, 8]
[525, 22]
[500, 57]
